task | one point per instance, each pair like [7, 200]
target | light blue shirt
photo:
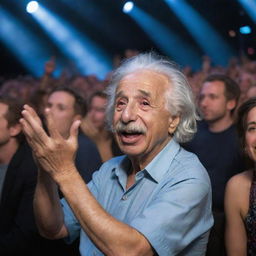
[170, 202]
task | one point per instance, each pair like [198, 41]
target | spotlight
[128, 7]
[32, 6]
[245, 30]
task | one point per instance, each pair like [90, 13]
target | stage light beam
[168, 41]
[250, 8]
[209, 40]
[29, 50]
[88, 57]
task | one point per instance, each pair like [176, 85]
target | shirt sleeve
[178, 216]
[72, 224]
[70, 220]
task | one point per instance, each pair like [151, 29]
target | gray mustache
[129, 128]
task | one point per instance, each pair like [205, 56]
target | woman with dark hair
[240, 195]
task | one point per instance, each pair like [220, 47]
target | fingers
[52, 129]
[32, 125]
[31, 114]
[32, 129]
[27, 130]
[74, 131]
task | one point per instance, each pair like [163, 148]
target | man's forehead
[213, 87]
[144, 82]
[139, 91]
[98, 100]
[61, 97]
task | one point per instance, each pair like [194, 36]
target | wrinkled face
[141, 121]
[250, 134]
[97, 111]
[5, 134]
[213, 102]
[62, 105]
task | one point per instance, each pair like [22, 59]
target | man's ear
[15, 129]
[231, 104]
[173, 124]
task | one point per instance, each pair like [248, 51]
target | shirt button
[125, 197]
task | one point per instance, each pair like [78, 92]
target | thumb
[74, 130]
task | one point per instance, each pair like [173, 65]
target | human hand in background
[54, 154]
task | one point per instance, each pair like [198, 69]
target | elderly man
[155, 200]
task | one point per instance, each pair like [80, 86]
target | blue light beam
[170, 43]
[250, 8]
[202, 32]
[88, 57]
[23, 44]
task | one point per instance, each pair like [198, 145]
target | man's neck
[221, 125]
[8, 150]
[141, 161]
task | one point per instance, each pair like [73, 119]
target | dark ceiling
[105, 23]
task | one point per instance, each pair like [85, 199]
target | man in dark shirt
[216, 145]
[18, 175]
[67, 106]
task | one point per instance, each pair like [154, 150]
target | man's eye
[201, 98]
[145, 103]
[251, 129]
[120, 103]
[213, 97]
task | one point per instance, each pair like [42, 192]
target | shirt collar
[157, 167]
[162, 161]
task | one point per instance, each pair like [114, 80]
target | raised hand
[89, 129]
[50, 66]
[54, 154]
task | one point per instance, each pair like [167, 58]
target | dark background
[105, 23]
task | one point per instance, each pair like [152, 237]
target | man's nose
[129, 113]
[203, 102]
[53, 110]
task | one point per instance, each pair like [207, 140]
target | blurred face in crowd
[246, 80]
[213, 103]
[97, 111]
[62, 107]
[250, 134]
[142, 123]
[251, 92]
[6, 132]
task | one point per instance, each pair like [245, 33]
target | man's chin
[130, 150]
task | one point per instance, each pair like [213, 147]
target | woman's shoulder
[238, 186]
[241, 179]
[237, 193]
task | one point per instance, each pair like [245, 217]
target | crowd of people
[158, 199]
